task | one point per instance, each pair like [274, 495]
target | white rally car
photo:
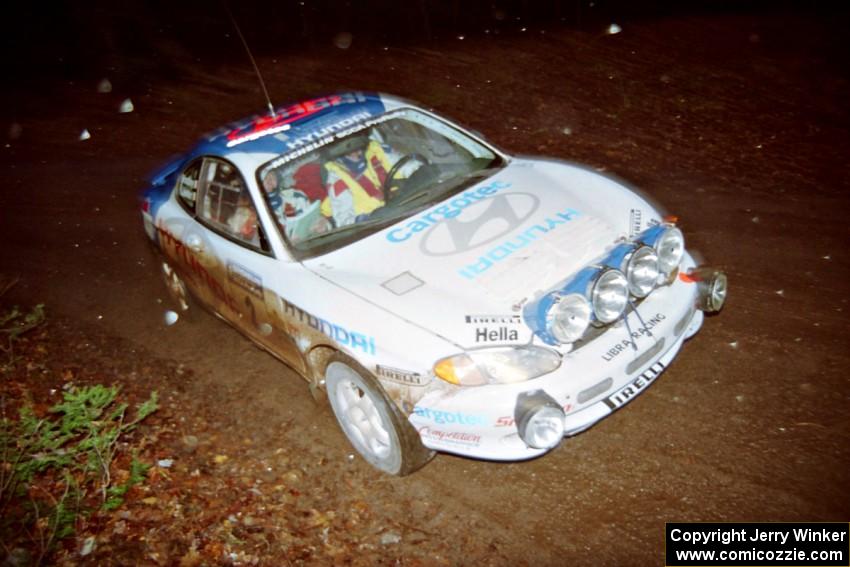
[444, 295]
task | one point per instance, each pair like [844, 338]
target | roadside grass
[14, 323]
[59, 464]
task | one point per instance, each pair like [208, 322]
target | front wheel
[372, 423]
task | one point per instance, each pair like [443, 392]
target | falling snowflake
[15, 131]
[343, 40]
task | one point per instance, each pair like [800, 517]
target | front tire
[372, 423]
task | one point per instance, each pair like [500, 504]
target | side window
[226, 205]
[187, 185]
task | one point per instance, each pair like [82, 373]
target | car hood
[463, 267]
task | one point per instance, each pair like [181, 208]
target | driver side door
[246, 266]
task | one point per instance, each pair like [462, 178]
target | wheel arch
[415, 454]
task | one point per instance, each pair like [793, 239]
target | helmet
[350, 144]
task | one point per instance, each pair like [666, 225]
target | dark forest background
[81, 39]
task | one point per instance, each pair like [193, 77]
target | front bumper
[590, 384]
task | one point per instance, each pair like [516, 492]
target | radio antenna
[250, 56]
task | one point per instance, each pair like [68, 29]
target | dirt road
[738, 125]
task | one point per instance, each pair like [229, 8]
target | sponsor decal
[494, 328]
[631, 343]
[441, 417]
[196, 268]
[635, 218]
[634, 388]
[615, 350]
[497, 335]
[327, 131]
[403, 377]
[246, 279]
[451, 437]
[446, 212]
[283, 117]
[314, 140]
[339, 334]
[509, 421]
[302, 151]
[493, 319]
[506, 249]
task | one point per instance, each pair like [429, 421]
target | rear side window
[222, 188]
[187, 185]
[225, 203]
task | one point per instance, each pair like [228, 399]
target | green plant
[115, 494]
[14, 323]
[55, 518]
[71, 450]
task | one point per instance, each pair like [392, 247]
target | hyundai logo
[479, 224]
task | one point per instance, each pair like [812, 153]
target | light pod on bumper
[609, 296]
[539, 419]
[670, 248]
[642, 271]
[568, 318]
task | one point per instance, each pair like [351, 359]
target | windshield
[373, 175]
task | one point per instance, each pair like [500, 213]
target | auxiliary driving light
[539, 419]
[642, 271]
[670, 247]
[568, 319]
[711, 286]
[609, 296]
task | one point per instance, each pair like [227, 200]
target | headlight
[568, 318]
[609, 296]
[499, 365]
[670, 247]
[539, 420]
[642, 271]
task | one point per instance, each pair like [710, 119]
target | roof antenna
[251, 57]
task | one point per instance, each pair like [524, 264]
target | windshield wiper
[398, 209]
[352, 227]
[459, 182]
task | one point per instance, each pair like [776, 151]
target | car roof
[295, 126]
